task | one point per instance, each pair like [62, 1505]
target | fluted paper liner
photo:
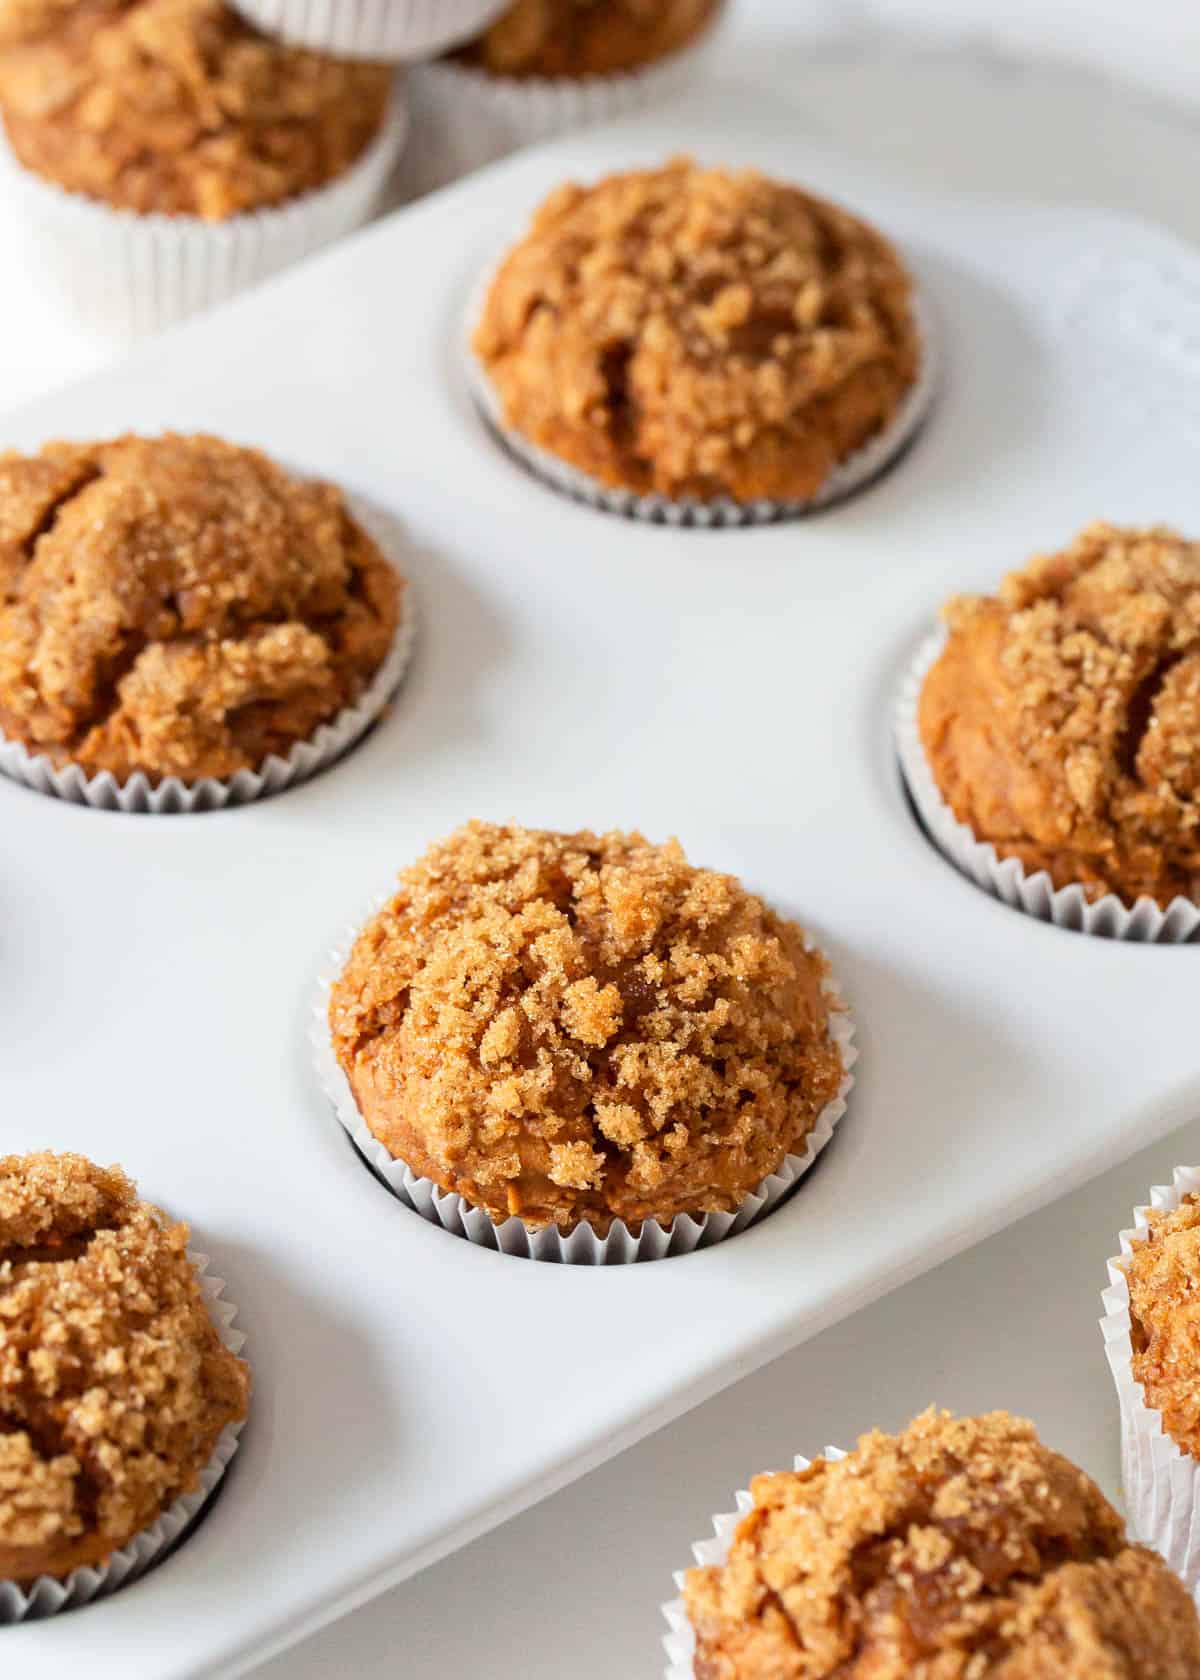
[130, 274]
[582, 1246]
[1109, 917]
[48, 1595]
[1161, 1481]
[679, 1642]
[393, 30]
[170, 796]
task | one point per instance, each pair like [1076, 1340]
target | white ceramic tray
[731, 687]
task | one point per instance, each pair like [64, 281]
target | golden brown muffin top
[1062, 721]
[180, 606]
[960, 1549]
[114, 1384]
[699, 333]
[586, 37]
[178, 106]
[1164, 1309]
[575, 1027]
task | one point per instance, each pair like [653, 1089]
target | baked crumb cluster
[586, 37]
[575, 1027]
[178, 106]
[180, 606]
[114, 1384]
[960, 1549]
[699, 333]
[1062, 721]
[1164, 1309]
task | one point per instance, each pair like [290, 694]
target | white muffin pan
[732, 687]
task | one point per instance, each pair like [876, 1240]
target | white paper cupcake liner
[464, 117]
[126, 274]
[1161, 1482]
[582, 1246]
[394, 30]
[48, 1595]
[170, 796]
[1109, 917]
[857, 470]
[680, 1642]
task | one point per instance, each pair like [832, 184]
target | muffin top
[960, 1549]
[178, 106]
[585, 37]
[114, 1384]
[1062, 721]
[180, 606]
[576, 1027]
[1164, 1309]
[699, 333]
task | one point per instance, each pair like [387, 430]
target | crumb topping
[178, 106]
[180, 606]
[1062, 721]
[699, 333]
[960, 1549]
[114, 1384]
[1164, 1307]
[586, 37]
[575, 1027]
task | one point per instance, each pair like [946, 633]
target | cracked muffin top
[699, 333]
[180, 606]
[960, 1549]
[1164, 1309]
[178, 106]
[586, 37]
[1062, 720]
[114, 1384]
[581, 1027]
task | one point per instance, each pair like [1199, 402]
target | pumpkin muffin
[114, 1384]
[960, 1549]
[180, 606]
[178, 106]
[583, 1028]
[573, 38]
[1163, 1272]
[1062, 720]
[699, 334]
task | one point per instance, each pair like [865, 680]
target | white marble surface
[938, 90]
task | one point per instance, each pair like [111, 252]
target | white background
[939, 90]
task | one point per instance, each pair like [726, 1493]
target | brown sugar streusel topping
[180, 606]
[1062, 721]
[699, 333]
[960, 1549]
[586, 37]
[178, 106]
[575, 1027]
[114, 1384]
[1164, 1309]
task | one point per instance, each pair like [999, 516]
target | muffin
[115, 1385]
[1061, 721]
[585, 37]
[181, 608]
[575, 1030]
[172, 126]
[698, 336]
[392, 30]
[960, 1549]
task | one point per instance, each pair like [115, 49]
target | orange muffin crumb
[114, 1384]
[180, 606]
[586, 37]
[572, 1027]
[178, 106]
[960, 1549]
[1062, 720]
[1164, 1309]
[699, 333]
